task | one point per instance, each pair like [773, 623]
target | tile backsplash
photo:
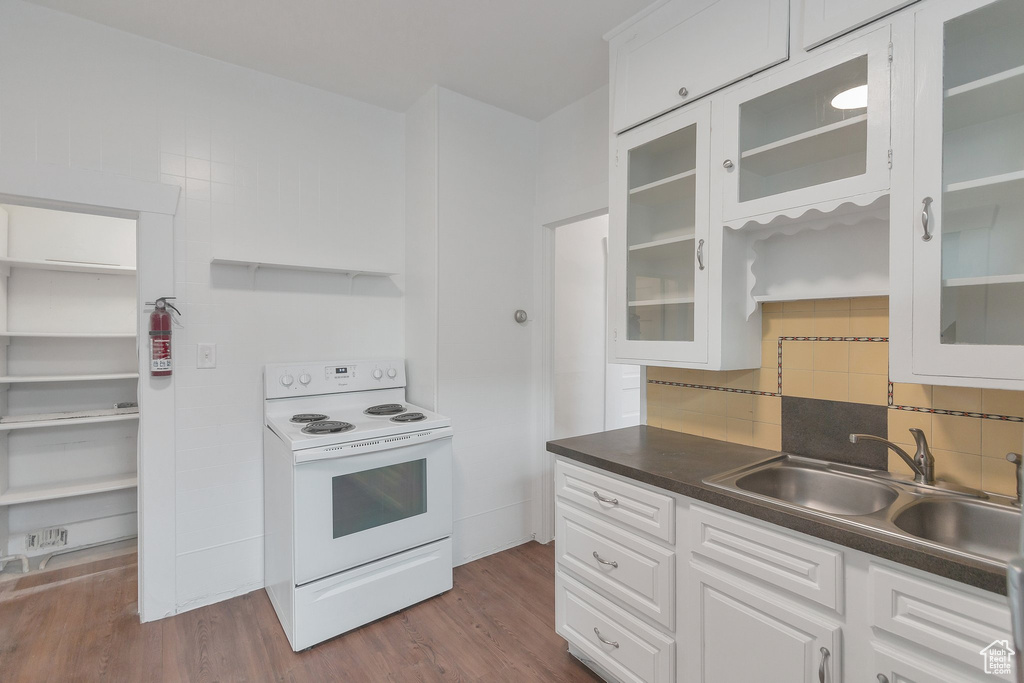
[837, 350]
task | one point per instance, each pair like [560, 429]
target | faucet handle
[1017, 459]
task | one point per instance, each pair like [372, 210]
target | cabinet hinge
[890, 158]
[890, 53]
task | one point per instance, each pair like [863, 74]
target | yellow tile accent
[869, 389]
[998, 476]
[714, 427]
[831, 386]
[768, 380]
[801, 305]
[869, 358]
[715, 402]
[916, 395]
[740, 431]
[959, 468]
[798, 383]
[740, 406]
[961, 434]
[957, 398]
[772, 325]
[897, 466]
[768, 409]
[869, 323]
[832, 323]
[740, 379]
[1001, 402]
[999, 438]
[832, 305]
[770, 353]
[870, 303]
[691, 376]
[797, 355]
[831, 356]
[660, 374]
[688, 398]
[902, 421]
[768, 436]
[771, 306]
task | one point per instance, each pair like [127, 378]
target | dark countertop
[679, 462]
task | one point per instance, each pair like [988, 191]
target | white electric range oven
[357, 496]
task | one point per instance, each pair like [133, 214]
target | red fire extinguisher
[160, 337]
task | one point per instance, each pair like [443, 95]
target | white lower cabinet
[749, 634]
[734, 599]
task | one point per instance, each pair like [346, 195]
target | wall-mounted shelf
[833, 141]
[67, 266]
[668, 301]
[34, 379]
[661, 243]
[10, 422]
[82, 487]
[69, 335]
[984, 99]
[984, 280]
[257, 265]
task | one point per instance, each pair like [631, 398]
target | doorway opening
[69, 403]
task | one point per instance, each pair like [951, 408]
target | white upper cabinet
[824, 20]
[965, 220]
[685, 49]
[809, 133]
[658, 239]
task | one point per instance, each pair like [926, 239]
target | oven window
[372, 498]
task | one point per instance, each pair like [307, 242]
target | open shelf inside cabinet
[75, 417]
[666, 319]
[68, 335]
[811, 148]
[665, 190]
[83, 487]
[67, 266]
[35, 379]
[984, 99]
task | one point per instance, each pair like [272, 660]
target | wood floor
[497, 624]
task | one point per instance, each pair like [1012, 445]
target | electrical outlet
[206, 357]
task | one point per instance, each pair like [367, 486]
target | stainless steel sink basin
[969, 526]
[823, 490]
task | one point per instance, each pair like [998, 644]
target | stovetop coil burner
[409, 417]
[308, 417]
[327, 427]
[385, 409]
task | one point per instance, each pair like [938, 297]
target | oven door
[354, 509]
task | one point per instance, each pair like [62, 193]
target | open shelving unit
[68, 379]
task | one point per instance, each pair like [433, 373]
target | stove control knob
[392, 373]
[377, 374]
[304, 379]
[287, 380]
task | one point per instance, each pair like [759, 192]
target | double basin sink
[958, 522]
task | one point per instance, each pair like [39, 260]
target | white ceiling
[531, 57]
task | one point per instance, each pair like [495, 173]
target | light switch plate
[206, 356]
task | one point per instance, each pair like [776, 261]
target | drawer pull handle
[610, 501]
[821, 666]
[925, 203]
[601, 638]
[611, 563]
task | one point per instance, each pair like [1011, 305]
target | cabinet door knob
[683, 92]
[727, 164]
[925, 204]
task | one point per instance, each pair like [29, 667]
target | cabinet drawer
[805, 569]
[630, 569]
[613, 499]
[945, 620]
[699, 46]
[634, 651]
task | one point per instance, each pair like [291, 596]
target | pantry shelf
[11, 422]
[257, 265]
[67, 266]
[665, 190]
[34, 379]
[70, 335]
[996, 189]
[669, 301]
[833, 141]
[984, 99]
[662, 243]
[984, 280]
[32, 494]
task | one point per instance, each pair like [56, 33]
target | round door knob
[377, 374]
[727, 164]
[683, 92]
[287, 380]
[304, 379]
[392, 373]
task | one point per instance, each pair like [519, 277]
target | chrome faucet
[1016, 459]
[923, 462]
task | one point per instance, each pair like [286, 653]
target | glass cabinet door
[659, 238]
[969, 190]
[811, 133]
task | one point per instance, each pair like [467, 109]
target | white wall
[579, 358]
[269, 170]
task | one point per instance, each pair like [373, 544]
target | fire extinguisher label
[159, 353]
